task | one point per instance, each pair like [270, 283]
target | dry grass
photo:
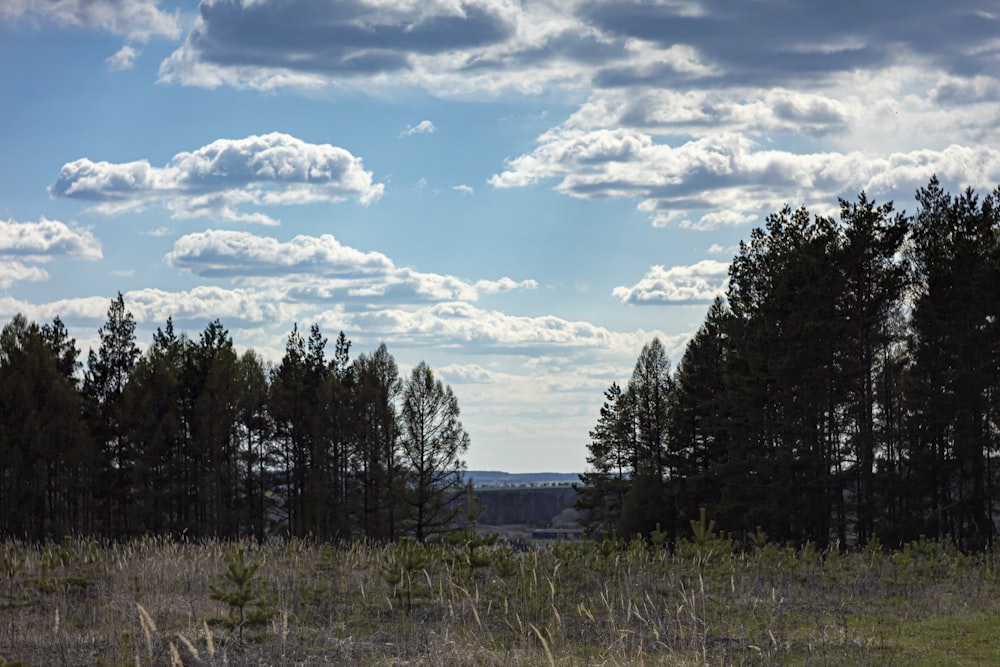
[148, 603]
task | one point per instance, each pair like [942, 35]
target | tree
[155, 419]
[873, 282]
[602, 489]
[214, 391]
[255, 431]
[108, 371]
[650, 499]
[955, 348]
[376, 391]
[783, 394]
[699, 431]
[433, 440]
[45, 458]
[288, 408]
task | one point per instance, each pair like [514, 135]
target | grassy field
[154, 602]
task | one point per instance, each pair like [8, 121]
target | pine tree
[153, 415]
[377, 388]
[611, 459]
[873, 280]
[954, 344]
[699, 418]
[108, 371]
[45, 456]
[433, 441]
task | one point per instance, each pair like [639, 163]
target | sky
[520, 193]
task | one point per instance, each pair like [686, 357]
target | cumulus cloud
[24, 244]
[228, 253]
[219, 179]
[16, 272]
[698, 283]
[729, 179]
[706, 113]
[136, 19]
[490, 46]
[153, 306]
[45, 239]
[464, 189]
[205, 302]
[463, 323]
[698, 112]
[423, 127]
[310, 43]
[321, 268]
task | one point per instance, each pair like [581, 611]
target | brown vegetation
[155, 602]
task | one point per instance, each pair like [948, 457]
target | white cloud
[458, 323]
[45, 239]
[25, 243]
[698, 283]
[218, 179]
[467, 374]
[451, 47]
[137, 19]
[123, 59]
[205, 303]
[231, 253]
[504, 285]
[698, 112]
[321, 269]
[423, 127]
[728, 179]
[707, 114]
[15, 272]
[153, 306]
[464, 189]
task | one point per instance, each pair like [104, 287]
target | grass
[150, 602]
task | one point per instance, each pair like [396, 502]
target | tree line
[190, 438]
[847, 388]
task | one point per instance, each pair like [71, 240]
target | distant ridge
[481, 478]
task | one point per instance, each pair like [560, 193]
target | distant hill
[482, 478]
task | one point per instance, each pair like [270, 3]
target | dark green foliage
[65, 567]
[406, 573]
[47, 458]
[601, 493]
[190, 439]
[468, 537]
[239, 587]
[432, 443]
[846, 386]
[108, 372]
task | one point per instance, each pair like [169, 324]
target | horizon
[520, 194]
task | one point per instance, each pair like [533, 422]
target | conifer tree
[433, 442]
[108, 371]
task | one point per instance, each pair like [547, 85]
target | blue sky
[519, 193]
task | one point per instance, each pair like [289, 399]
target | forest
[846, 390]
[190, 439]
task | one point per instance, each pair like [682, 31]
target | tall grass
[150, 602]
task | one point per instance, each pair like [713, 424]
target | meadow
[481, 602]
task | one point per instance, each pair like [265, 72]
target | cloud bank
[320, 268]
[706, 113]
